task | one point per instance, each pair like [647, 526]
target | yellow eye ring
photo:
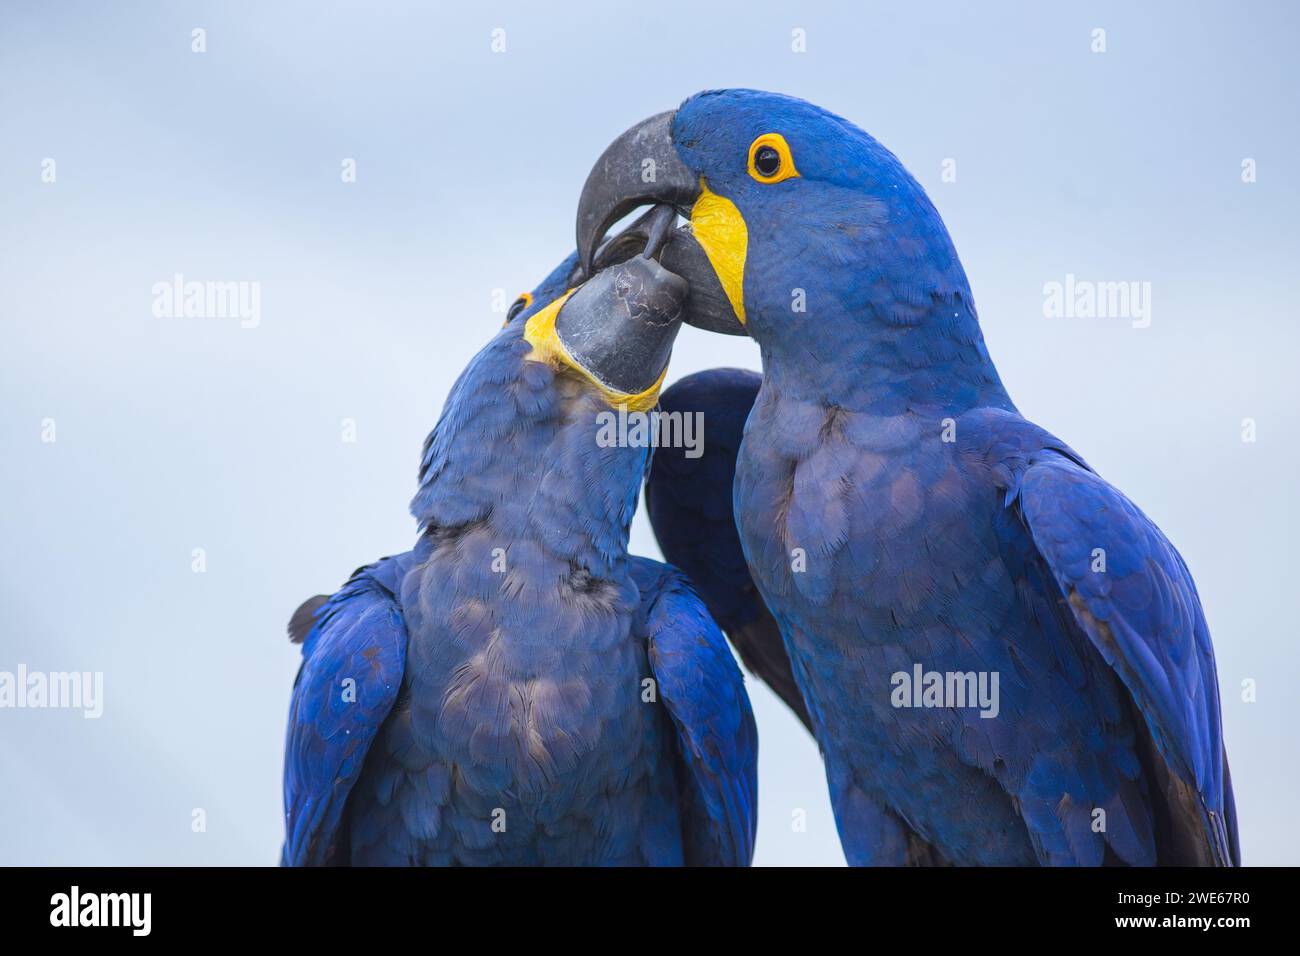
[519, 306]
[770, 160]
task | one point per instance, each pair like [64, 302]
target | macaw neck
[519, 446]
[879, 358]
[867, 303]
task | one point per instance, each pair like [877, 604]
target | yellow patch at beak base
[720, 230]
[539, 332]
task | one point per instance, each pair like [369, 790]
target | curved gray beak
[620, 324]
[641, 167]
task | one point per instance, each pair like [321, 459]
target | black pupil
[767, 160]
[516, 308]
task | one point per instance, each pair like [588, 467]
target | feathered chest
[837, 507]
[518, 659]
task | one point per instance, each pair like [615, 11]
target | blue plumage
[352, 668]
[526, 692]
[689, 502]
[896, 511]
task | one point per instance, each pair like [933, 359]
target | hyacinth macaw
[517, 688]
[900, 517]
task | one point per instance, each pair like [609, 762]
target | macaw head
[562, 278]
[817, 237]
[616, 329]
[530, 404]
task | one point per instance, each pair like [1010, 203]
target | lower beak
[619, 326]
[642, 167]
[707, 306]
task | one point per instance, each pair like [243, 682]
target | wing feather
[1131, 594]
[353, 660]
[704, 692]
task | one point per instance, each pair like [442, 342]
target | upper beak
[642, 167]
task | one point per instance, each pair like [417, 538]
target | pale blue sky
[175, 434]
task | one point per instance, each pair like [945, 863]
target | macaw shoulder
[669, 600]
[1009, 445]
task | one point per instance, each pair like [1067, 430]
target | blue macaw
[517, 688]
[912, 534]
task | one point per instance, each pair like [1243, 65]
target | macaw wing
[1132, 595]
[353, 660]
[717, 742]
[689, 501]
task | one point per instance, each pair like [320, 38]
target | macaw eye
[770, 160]
[524, 301]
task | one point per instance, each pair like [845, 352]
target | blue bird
[517, 689]
[1004, 660]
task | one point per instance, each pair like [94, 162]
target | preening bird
[517, 688]
[900, 517]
